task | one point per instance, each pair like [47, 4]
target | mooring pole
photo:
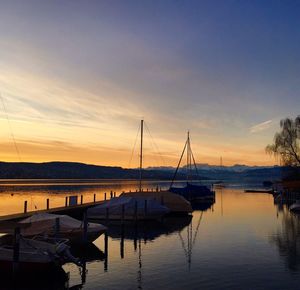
[146, 207]
[85, 227]
[47, 204]
[122, 243]
[57, 227]
[106, 251]
[123, 214]
[94, 197]
[162, 200]
[66, 201]
[107, 215]
[16, 253]
[81, 199]
[104, 195]
[136, 211]
[25, 206]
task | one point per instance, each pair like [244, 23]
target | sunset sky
[76, 77]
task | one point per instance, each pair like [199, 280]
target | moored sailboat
[175, 203]
[195, 193]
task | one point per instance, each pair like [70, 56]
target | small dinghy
[69, 228]
[36, 254]
[128, 208]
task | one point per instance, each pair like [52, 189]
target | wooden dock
[72, 210]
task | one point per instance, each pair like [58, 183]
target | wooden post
[66, 202]
[111, 194]
[25, 206]
[83, 275]
[57, 227]
[85, 227]
[136, 211]
[104, 195]
[123, 213]
[146, 206]
[94, 197]
[107, 214]
[122, 243]
[16, 253]
[106, 251]
[81, 199]
[114, 194]
[47, 204]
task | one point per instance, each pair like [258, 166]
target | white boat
[295, 207]
[129, 208]
[174, 202]
[34, 254]
[68, 227]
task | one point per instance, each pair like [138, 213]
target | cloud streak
[261, 127]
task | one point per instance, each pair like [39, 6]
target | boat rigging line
[10, 128]
[133, 149]
[154, 145]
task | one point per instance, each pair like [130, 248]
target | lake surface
[244, 241]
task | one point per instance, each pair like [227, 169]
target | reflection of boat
[295, 207]
[36, 254]
[67, 227]
[203, 206]
[54, 278]
[193, 192]
[151, 231]
[191, 239]
[88, 253]
[129, 208]
[259, 190]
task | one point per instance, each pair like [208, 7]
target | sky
[76, 77]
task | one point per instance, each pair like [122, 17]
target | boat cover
[175, 202]
[115, 207]
[44, 222]
[193, 191]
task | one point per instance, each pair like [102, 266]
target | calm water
[243, 242]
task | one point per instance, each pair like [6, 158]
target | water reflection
[89, 252]
[287, 239]
[56, 279]
[149, 231]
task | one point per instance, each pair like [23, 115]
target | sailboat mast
[188, 157]
[141, 154]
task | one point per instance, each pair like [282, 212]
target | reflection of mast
[190, 240]
[221, 189]
[139, 278]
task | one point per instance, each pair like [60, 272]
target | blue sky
[82, 74]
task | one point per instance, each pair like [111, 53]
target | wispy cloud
[261, 126]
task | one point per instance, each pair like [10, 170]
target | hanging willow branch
[286, 144]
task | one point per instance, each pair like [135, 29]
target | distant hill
[73, 170]
[234, 173]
